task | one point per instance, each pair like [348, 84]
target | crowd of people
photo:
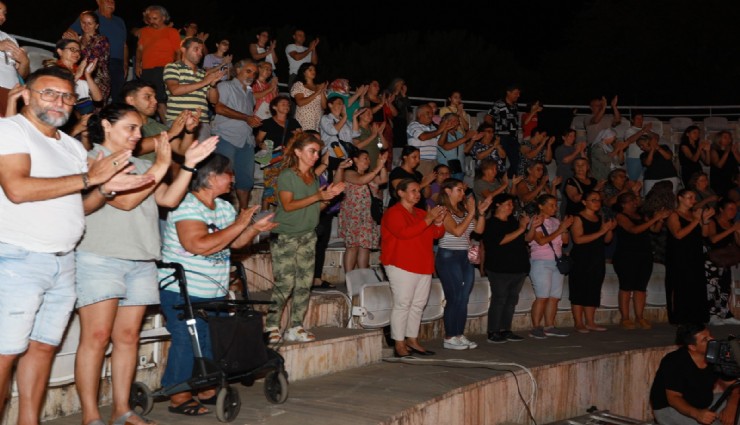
[147, 163]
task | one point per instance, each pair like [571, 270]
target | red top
[406, 240]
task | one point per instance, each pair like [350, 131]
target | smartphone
[224, 67]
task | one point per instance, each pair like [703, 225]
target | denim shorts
[37, 295]
[546, 279]
[101, 278]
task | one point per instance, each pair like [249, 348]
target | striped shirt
[457, 243]
[194, 100]
[208, 276]
[427, 148]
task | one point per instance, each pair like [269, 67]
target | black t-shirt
[278, 134]
[661, 168]
[512, 257]
[678, 372]
[400, 174]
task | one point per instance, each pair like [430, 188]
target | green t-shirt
[303, 220]
[152, 127]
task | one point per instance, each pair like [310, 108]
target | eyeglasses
[72, 49]
[49, 95]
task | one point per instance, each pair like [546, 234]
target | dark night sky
[648, 52]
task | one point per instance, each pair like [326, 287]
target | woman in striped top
[199, 235]
[451, 262]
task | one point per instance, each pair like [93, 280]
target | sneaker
[274, 335]
[298, 334]
[731, 321]
[553, 331]
[537, 333]
[454, 343]
[628, 324]
[644, 324]
[468, 342]
[511, 336]
[716, 321]
[496, 338]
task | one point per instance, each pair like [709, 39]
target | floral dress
[308, 115]
[356, 225]
[98, 47]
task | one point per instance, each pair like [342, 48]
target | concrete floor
[371, 394]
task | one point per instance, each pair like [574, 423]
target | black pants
[323, 234]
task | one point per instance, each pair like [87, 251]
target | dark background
[656, 52]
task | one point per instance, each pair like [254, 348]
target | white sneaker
[731, 321]
[716, 321]
[454, 343]
[274, 336]
[298, 334]
[468, 342]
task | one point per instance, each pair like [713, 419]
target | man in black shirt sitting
[682, 391]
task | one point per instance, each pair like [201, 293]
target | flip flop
[123, 419]
[191, 407]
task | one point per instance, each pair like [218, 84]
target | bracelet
[186, 168]
[106, 194]
[85, 181]
[188, 131]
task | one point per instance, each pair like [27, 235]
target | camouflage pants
[292, 269]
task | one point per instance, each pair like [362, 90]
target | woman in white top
[547, 281]
[451, 262]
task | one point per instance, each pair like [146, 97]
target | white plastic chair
[373, 297]
[714, 124]
[679, 124]
[564, 303]
[480, 298]
[435, 307]
[526, 297]
[610, 289]
[656, 287]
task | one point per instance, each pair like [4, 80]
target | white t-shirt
[8, 73]
[633, 151]
[52, 225]
[267, 58]
[293, 64]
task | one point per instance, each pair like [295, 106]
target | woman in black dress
[579, 185]
[724, 159]
[723, 232]
[685, 288]
[692, 153]
[633, 257]
[590, 233]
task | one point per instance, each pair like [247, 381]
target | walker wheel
[228, 404]
[276, 387]
[140, 399]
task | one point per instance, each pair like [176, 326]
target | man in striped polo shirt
[423, 134]
[187, 85]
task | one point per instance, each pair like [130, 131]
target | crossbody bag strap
[544, 231]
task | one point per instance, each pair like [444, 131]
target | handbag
[237, 342]
[474, 253]
[376, 207]
[564, 263]
[454, 164]
[727, 256]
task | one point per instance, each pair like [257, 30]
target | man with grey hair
[233, 124]
[423, 134]
[42, 217]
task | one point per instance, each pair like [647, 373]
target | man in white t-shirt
[423, 134]
[298, 54]
[42, 216]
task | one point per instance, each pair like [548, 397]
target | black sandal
[191, 407]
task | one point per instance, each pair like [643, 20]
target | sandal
[124, 419]
[324, 285]
[96, 422]
[191, 407]
[211, 401]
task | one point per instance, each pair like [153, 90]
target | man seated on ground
[682, 391]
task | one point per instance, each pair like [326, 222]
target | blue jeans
[242, 162]
[456, 274]
[180, 357]
[505, 288]
[634, 168]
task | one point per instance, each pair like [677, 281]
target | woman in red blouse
[406, 252]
